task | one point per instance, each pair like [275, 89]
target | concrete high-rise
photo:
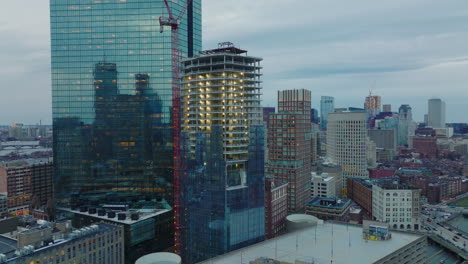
[223, 153]
[327, 105]
[112, 98]
[436, 113]
[347, 143]
[289, 146]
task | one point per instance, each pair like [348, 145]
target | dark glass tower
[112, 98]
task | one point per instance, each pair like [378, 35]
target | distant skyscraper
[347, 142]
[387, 108]
[266, 114]
[289, 146]
[406, 125]
[327, 105]
[436, 113]
[223, 146]
[373, 105]
[314, 116]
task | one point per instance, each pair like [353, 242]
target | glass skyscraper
[112, 98]
[327, 106]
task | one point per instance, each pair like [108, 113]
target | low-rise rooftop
[329, 202]
[143, 214]
[327, 243]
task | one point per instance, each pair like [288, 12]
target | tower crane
[174, 23]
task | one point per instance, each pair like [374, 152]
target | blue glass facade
[112, 98]
[327, 105]
[218, 217]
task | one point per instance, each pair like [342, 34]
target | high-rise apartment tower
[223, 153]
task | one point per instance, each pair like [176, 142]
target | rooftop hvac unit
[122, 216]
[111, 214]
[3, 258]
[135, 216]
[101, 212]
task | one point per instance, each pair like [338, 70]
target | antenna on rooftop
[276, 248]
[349, 239]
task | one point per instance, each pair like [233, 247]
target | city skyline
[402, 55]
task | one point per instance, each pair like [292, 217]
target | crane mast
[174, 23]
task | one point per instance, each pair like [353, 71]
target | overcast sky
[407, 51]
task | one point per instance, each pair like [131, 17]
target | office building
[397, 205]
[329, 208]
[334, 171]
[333, 243]
[406, 125]
[289, 146]
[322, 185]
[387, 108]
[384, 139]
[276, 207]
[436, 113]
[112, 97]
[57, 243]
[314, 145]
[144, 230]
[371, 153]
[3, 205]
[266, 117]
[327, 106]
[223, 141]
[27, 184]
[347, 143]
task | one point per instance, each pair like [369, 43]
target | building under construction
[223, 153]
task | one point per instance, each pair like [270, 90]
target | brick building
[27, 184]
[426, 146]
[289, 146]
[276, 207]
[360, 191]
[380, 173]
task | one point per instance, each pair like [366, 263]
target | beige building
[347, 143]
[397, 205]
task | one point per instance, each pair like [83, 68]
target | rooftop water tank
[296, 222]
[160, 258]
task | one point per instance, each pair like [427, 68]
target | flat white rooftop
[327, 243]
